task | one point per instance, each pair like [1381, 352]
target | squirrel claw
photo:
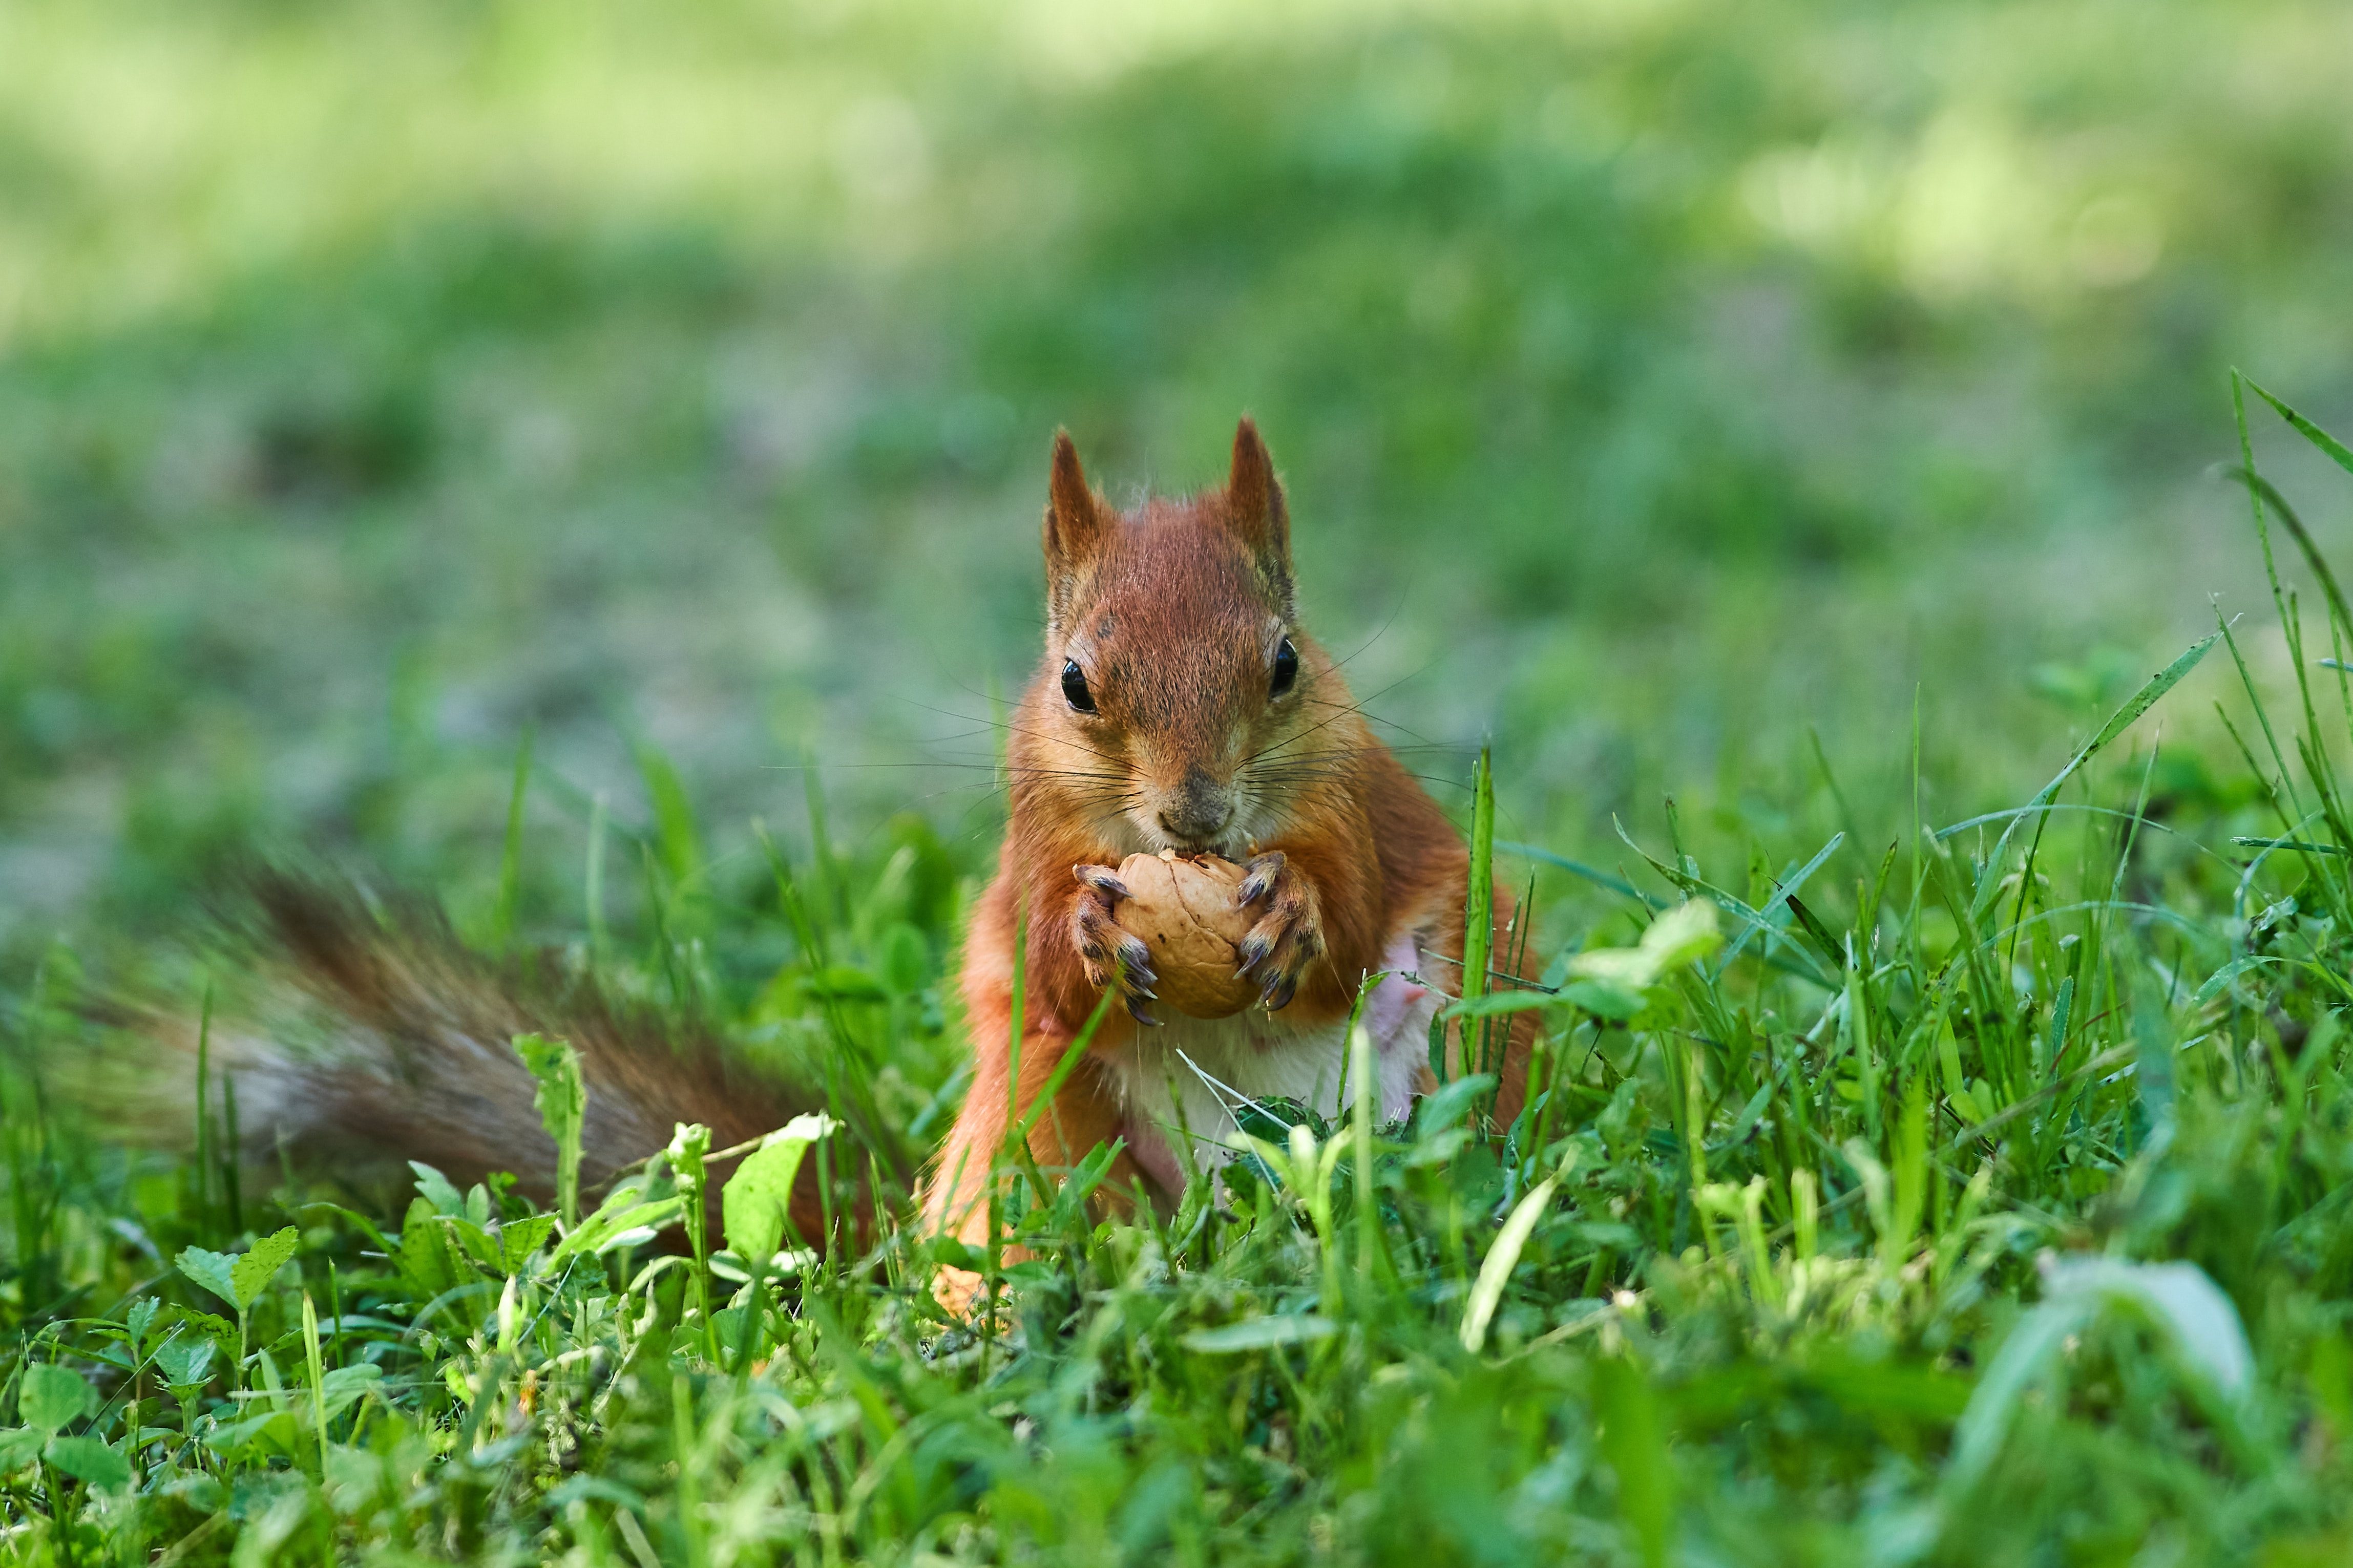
[1137, 1013]
[1288, 936]
[1112, 956]
[1102, 879]
[1263, 870]
[1136, 983]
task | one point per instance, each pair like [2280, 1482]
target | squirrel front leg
[1288, 936]
[1110, 953]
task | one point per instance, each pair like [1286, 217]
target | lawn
[580, 465]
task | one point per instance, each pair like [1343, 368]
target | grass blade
[1487, 1290]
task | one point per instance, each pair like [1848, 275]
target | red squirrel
[1180, 706]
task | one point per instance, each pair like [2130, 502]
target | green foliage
[88, 1459]
[1981, 1207]
[1802, 408]
[239, 1277]
[251, 1273]
[562, 1102]
[50, 1398]
[756, 1203]
[1633, 1442]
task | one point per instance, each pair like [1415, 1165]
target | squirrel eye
[1286, 669]
[1075, 686]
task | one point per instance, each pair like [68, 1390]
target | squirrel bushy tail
[376, 1035]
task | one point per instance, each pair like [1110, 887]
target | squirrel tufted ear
[1255, 504]
[1075, 524]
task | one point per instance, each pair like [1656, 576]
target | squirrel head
[1176, 686]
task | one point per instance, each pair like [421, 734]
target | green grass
[1974, 1194]
[1777, 431]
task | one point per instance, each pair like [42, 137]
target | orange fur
[1175, 617]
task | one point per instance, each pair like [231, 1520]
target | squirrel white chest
[1192, 1076]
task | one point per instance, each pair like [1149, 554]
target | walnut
[1187, 913]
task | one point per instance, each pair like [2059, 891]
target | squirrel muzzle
[1194, 812]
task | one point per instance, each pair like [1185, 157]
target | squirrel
[1179, 706]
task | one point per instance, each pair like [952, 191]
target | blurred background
[1672, 393]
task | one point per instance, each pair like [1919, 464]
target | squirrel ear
[1074, 526]
[1255, 504]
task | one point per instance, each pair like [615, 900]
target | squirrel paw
[1108, 951]
[1288, 934]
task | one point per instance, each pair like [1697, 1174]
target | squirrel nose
[1196, 809]
[1194, 828]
